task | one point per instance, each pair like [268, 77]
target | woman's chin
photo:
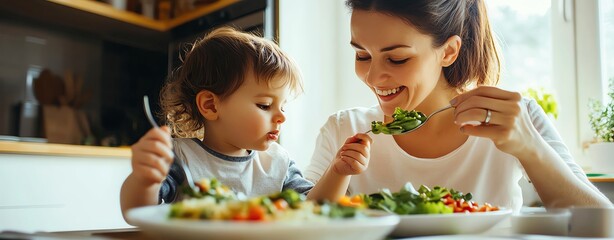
[388, 108]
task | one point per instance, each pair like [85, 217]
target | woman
[425, 55]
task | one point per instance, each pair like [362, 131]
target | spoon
[186, 170]
[421, 124]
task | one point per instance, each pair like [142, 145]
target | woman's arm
[513, 131]
[555, 183]
[562, 163]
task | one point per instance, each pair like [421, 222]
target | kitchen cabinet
[54, 187]
[120, 55]
[102, 19]
[106, 10]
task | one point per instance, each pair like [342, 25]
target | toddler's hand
[353, 157]
[152, 156]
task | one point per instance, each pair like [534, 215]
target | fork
[186, 171]
[421, 124]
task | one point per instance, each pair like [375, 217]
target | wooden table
[600, 178]
[125, 234]
[500, 231]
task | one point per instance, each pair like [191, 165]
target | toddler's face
[394, 59]
[251, 117]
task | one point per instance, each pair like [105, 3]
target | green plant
[545, 99]
[601, 117]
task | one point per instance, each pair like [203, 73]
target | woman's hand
[353, 157]
[152, 156]
[509, 125]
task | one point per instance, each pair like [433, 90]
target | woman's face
[396, 61]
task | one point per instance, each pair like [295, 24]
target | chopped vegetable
[210, 187]
[403, 121]
[424, 201]
[217, 202]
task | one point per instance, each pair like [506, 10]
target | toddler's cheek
[255, 128]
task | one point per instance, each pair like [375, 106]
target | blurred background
[100, 57]
[73, 73]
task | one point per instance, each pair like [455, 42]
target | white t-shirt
[477, 166]
[259, 173]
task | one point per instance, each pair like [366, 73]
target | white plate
[455, 223]
[154, 221]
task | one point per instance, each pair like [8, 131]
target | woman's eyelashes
[393, 61]
[398, 62]
[362, 59]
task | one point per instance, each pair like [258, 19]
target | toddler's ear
[207, 102]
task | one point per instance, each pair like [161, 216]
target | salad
[403, 121]
[438, 200]
[217, 202]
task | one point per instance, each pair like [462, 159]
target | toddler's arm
[151, 159]
[351, 159]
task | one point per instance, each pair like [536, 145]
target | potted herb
[545, 99]
[601, 119]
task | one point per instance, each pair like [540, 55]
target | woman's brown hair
[478, 59]
[219, 63]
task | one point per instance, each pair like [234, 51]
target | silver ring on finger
[487, 119]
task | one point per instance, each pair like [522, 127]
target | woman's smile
[388, 94]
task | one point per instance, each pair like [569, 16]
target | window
[563, 46]
[606, 23]
[524, 32]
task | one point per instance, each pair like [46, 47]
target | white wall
[316, 34]
[564, 75]
[588, 71]
[577, 71]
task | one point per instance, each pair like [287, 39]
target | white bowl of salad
[216, 213]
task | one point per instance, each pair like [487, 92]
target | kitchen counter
[50, 187]
[124, 152]
[599, 178]
[63, 149]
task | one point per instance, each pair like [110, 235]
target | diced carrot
[356, 199]
[239, 217]
[344, 201]
[256, 213]
[281, 204]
